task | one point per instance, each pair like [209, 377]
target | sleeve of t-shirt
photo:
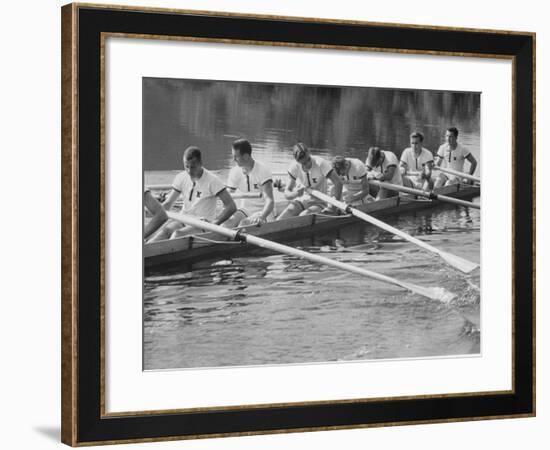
[265, 175]
[293, 171]
[325, 166]
[392, 159]
[233, 178]
[441, 152]
[361, 169]
[429, 156]
[216, 185]
[465, 152]
[404, 157]
[177, 184]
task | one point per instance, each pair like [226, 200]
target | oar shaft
[236, 196]
[457, 201]
[367, 218]
[404, 189]
[264, 243]
[430, 195]
[458, 174]
[260, 242]
[455, 261]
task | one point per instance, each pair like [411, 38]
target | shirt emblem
[198, 194]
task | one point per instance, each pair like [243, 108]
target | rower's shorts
[252, 215]
[307, 201]
[413, 182]
[366, 199]
[448, 179]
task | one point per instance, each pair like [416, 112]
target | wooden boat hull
[191, 249]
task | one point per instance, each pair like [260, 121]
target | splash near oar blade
[439, 294]
[460, 263]
[455, 261]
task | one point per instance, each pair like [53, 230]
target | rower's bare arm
[290, 193]
[364, 189]
[158, 212]
[473, 163]
[170, 199]
[229, 207]
[267, 193]
[388, 174]
[403, 167]
[332, 176]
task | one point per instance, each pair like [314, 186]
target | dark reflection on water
[346, 120]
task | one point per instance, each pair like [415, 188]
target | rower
[199, 189]
[158, 212]
[382, 166]
[311, 172]
[250, 176]
[416, 164]
[353, 175]
[451, 155]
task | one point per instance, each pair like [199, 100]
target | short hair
[299, 151]
[242, 146]
[417, 134]
[453, 130]
[192, 153]
[339, 162]
[373, 155]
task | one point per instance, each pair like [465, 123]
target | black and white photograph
[302, 224]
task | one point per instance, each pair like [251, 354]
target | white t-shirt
[353, 181]
[416, 163]
[316, 177]
[199, 196]
[250, 182]
[453, 159]
[390, 160]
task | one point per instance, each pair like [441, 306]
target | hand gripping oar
[440, 294]
[430, 195]
[455, 261]
[458, 174]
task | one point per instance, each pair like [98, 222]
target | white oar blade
[459, 263]
[435, 293]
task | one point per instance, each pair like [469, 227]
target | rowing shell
[211, 246]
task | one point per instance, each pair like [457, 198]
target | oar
[456, 261]
[430, 195]
[239, 235]
[458, 174]
[236, 196]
